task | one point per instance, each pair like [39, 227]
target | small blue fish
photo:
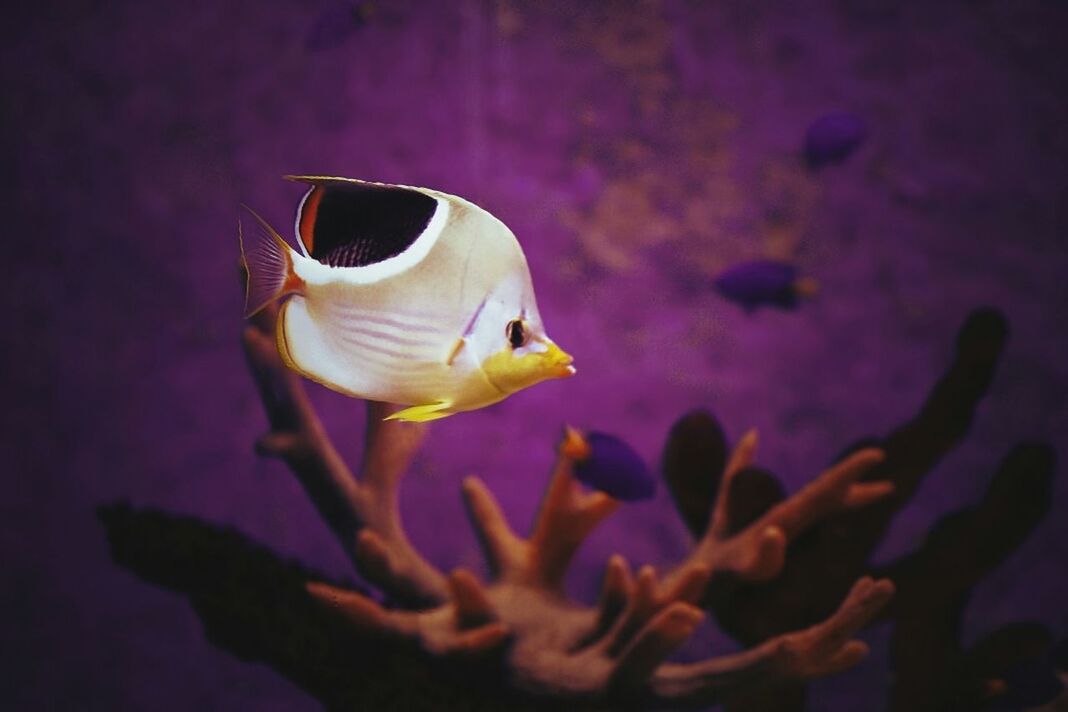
[606, 463]
[832, 138]
[765, 283]
[336, 24]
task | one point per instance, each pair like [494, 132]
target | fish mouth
[561, 363]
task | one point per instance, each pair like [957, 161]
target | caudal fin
[269, 263]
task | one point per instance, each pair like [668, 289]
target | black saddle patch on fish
[351, 224]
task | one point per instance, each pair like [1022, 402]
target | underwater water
[637, 150]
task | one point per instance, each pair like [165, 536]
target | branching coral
[521, 626]
[779, 574]
[933, 671]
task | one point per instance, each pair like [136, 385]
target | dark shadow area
[253, 604]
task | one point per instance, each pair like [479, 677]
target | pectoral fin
[423, 413]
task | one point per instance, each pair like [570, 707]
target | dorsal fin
[344, 222]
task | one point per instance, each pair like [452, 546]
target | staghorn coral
[765, 565]
[933, 671]
[521, 629]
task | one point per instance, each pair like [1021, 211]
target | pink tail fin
[269, 263]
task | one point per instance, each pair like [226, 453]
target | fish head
[512, 369]
[518, 352]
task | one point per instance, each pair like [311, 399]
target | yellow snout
[557, 362]
[510, 372]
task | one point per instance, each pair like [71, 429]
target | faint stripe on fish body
[435, 385]
[361, 340]
[399, 320]
[403, 315]
[374, 334]
[429, 317]
[385, 366]
[416, 376]
[390, 367]
[395, 361]
[383, 321]
[401, 375]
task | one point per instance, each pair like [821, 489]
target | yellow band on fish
[510, 372]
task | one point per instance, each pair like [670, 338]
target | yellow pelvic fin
[423, 413]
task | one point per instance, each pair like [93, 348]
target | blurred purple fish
[764, 283]
[336, 24]
[610, 465]
[832, 138]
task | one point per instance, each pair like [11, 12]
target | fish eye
[517, 333]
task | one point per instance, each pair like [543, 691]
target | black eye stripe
[516, 333]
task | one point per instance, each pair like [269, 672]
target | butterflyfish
[402, 294]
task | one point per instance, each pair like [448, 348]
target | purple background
[635, 149]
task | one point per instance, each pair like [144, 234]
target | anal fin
[423, 413]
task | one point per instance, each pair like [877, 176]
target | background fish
[832, 138]
[404, 295]
[765, 283]
[606, 463]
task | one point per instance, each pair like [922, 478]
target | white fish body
[432, 326]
